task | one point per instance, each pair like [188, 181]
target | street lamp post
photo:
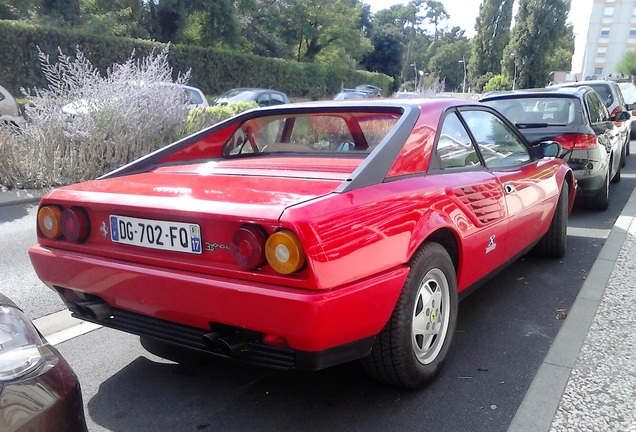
[415, 69]
[463, 61]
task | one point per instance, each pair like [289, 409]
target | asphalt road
[504, 330]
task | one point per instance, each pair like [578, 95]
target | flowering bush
[85, 124]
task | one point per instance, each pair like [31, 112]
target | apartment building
[611, 33]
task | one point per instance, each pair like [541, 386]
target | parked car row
[589, 119]
[364, 91]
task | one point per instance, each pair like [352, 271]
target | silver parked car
[577, 119]
[10, 111]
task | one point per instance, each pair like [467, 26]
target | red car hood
[223, 188]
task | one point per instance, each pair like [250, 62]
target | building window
[605, 32]
[632, 32]
[609, 11]
[598, 71]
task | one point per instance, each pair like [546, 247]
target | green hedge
[214, 71]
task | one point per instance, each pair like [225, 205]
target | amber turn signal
[284, 252]
[49, 221]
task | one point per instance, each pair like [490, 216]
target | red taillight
[577, 141]
[614, 111]
[248, 246]
[75, 224]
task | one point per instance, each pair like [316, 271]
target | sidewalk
[587, 382]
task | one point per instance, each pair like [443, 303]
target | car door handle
[509, 188]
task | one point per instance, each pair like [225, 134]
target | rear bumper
[311, 322]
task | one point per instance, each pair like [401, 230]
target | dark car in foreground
[263, 97]
[308, 235]
[578, 120]
[38, 389]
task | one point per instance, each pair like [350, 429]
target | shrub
[201, 118]
[85, 124]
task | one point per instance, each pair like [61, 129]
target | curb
[21, 196]
[541, 401]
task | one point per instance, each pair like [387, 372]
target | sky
[464, 12]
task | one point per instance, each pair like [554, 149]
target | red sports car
[307, 235]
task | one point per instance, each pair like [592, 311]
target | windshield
[539, 111]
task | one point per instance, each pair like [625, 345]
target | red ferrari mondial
[303, 236]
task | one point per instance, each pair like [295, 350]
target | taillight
[248, 246]
[284, 252]
[49, 221]
[72, 223]
[577, 141]
[614, 111]
[75, 224]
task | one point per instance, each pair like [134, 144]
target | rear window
[351, 132]
[539, 111]
[605, 92]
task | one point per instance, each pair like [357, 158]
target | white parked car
[10, 111]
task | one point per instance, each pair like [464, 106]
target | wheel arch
[448, 239]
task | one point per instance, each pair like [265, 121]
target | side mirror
[550, 149]
[621, 116]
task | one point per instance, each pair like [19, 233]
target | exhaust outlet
[94, 310]
[211, 340]
[232, 344]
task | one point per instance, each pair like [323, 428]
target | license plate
[156, 234]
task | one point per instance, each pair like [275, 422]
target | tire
[553, 242]
[600, 201]
[617, 176]
[413, 345]
[624, 154]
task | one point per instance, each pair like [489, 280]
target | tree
[447, 63]
[315, 25]
[435, 13]
[539, 27]
[60, 12]
[386, 58]
[627, 65]
[493, 34]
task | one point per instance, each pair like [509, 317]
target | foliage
[627, 65]
[540, 25]
[212, 70]
[201, 118]
[448, 64]
[493, 34]
[86, 124]
[498, 82]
